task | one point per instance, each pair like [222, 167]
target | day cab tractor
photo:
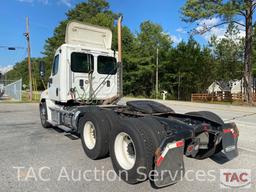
[83, 96]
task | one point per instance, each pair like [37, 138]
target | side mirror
[42, 69]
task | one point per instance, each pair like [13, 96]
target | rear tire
[157, 134]
[44, 115]
[94, 130]
[131, 151]
[155, 129]
[112, 118]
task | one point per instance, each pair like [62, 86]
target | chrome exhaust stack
[120, 65]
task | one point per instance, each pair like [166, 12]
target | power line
[11, 48]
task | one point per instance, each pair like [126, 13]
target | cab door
[54, 80]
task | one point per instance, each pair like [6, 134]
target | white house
[218, 86]
[236, 86]
[233, 86]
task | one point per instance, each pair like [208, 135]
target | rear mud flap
[229, 141]
[169, 167]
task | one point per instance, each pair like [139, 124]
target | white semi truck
[140, 136]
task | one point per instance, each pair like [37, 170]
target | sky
[46, 14]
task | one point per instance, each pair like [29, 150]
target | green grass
[25, 97]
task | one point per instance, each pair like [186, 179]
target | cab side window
[55, 65]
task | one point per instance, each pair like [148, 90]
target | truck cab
[84, 68]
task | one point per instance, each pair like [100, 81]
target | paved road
[52, 160]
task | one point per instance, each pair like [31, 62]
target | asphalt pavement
[34, 159]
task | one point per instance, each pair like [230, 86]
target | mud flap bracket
[169, 166]
[229, 140]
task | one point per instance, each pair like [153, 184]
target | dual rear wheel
[125, 151]
[130, 142]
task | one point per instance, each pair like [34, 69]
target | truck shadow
[219, 158]
[69, 134]
[72, 136]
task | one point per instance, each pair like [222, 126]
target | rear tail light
[232, 131]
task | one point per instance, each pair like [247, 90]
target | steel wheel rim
[122, 148]
[89, 135]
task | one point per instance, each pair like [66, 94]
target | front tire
[44, 115]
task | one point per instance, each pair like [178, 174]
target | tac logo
[235, 178]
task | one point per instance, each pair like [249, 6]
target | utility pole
[157, 62]
[27, 35]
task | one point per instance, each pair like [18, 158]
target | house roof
[223, 85]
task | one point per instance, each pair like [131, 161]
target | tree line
[184, 69]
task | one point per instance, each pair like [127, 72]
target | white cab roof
[89, 36]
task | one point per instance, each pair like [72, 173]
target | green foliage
[194, 10]
[184, 69]
[20, 71]
[191, 70]
[140, 63]
[228, 53]
[230, 11]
